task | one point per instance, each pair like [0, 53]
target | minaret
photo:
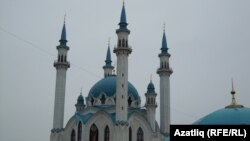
[61, 65]
[108, 68]
[164, 72]
[151, 104]
[122, 52]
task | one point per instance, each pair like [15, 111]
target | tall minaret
[122, 52]
[164, 72]
[151, 104]
[108, 68]
[61, 65]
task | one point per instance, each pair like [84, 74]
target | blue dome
[80, 100]
[227, 116]
[107, 85]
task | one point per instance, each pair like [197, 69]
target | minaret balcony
[126, 50]
[64, 64]
[167, 71]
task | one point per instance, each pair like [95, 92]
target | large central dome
[104, 93]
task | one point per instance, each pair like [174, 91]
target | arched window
[65, 58]
[93, 134]
[58, 58]
[123, 43]
[119, 44]
[92, 101]
[126, 43]
[73, 135]
[106, 133]
[103, 99]
[140, 134]
[129, 101]
[130, 134]
[62, 58]
[79, 132]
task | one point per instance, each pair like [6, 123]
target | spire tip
[64, 20]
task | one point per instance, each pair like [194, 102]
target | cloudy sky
[209, 41]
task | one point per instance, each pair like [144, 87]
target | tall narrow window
[92, 101]
[73, 135]
[61, 58]
[129, 101]
[93, 134]
[106, 133]
[123, 43]
[65, 58]
[103, 99]
[130, 134]
[79, 132]
[119, 44]
[140, 134]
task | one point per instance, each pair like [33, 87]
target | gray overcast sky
[208, 40]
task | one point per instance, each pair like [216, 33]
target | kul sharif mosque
[112, 110]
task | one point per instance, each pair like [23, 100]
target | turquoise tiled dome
[238, 115]
[107, 85]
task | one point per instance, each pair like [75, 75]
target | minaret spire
[108, 67]
[123, 20]
[164, 46]
[63, 39]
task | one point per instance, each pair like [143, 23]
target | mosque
[112, 110]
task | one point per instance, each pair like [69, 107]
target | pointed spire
[164, 47]
[123, 21]
[63, 39]
[233, 103]
[81, 91]
[108, 60]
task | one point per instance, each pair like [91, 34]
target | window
[106, 133]
[123, 43]
[103, 99]
[73, 135]
[93, 134]
[92, 101]
[79, 132]
[129, 101]
[140, 134]
[130, 134]
[61, 58]
[119, 44]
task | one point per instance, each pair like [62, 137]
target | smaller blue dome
[80, 100]
[151, 88]
[236, 116]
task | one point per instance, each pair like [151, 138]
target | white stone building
[112, 110]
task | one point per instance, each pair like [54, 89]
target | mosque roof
[85, 117]
[233, 114]
[107, 85]
[227, 116]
